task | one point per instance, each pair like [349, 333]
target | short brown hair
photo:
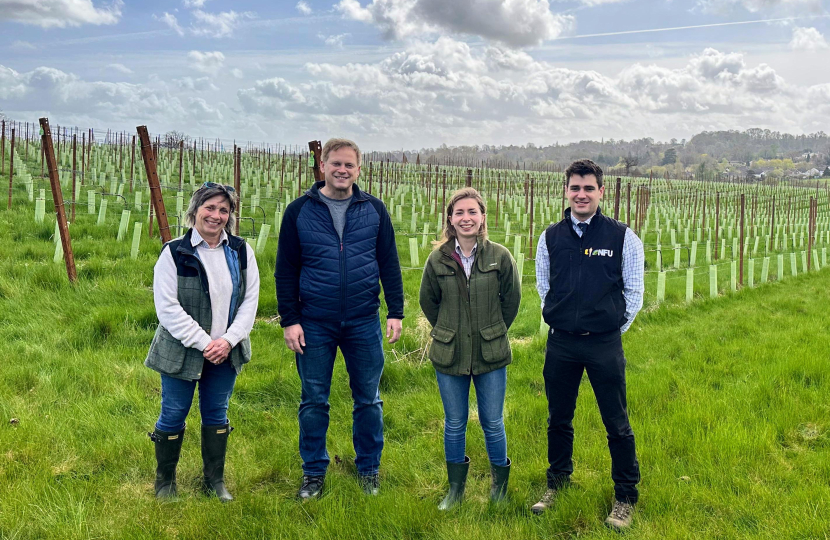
[201, 196]
[332, 145]
[449, 231]
[583, 167]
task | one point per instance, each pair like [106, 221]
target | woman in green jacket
[470, 294]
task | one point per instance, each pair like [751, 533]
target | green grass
[728, 399]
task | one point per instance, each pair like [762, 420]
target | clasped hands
[217, 351]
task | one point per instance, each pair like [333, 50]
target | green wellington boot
[500, 475]
[168, 449]
[214, 447]
[457, 475]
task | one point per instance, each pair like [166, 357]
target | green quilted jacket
[470, 317]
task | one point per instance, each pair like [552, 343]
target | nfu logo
[591, 252]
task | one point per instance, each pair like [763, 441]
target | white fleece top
[181, 325]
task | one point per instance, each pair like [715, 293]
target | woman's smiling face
[466, 218]
[212, 216]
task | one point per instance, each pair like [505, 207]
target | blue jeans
[361, 342]
[455, 393]
[215, 389]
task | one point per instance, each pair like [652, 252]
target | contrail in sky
[650, 30]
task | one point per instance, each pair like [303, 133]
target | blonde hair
[449, 233]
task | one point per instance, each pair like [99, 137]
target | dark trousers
[601, 356]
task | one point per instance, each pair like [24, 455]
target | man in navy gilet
[589, 274]
[336, 248]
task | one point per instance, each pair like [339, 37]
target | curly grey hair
[203, 194]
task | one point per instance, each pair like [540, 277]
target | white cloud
[776, 7]
[159, 104]
[20, 45]
[59, 13]
[195, 85]
[120, 68]
[334, 41]
[206, 62]
[170, 20]
[807, 39]
[303, 7]
[428, 93]
[493, 95]
[217, 25]
[194, 3]
[517, 23]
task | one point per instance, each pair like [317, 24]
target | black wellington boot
[500, 474]
[457, 475]
[168, 449]
[214, 446]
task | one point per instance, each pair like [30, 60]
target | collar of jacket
[567, 214]
[483, 255]
[186, 246]
[357, 193]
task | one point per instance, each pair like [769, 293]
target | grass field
[728, 399]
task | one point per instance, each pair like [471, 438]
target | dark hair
[201, 195]
[583, 167]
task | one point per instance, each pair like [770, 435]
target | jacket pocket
[442, 349]
[494, 344]
[241, 354]
[167, 354]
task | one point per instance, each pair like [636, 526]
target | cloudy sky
[396, 74]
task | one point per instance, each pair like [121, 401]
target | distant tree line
[706, 149]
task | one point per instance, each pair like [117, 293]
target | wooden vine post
[132, 165]
[316, 149]
[617, 199]
[156, 197]
[772, 224]
[498, 198]
[57, 197]
[11, 169]
[530, 233]
[741, 246]
[811, 228]
[715, 248]
[74, 166]
[181, 163]
[237, 185]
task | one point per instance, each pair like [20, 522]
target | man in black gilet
[589, 272]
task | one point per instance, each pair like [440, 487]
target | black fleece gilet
[586, 285]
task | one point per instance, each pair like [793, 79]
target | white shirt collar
[196, 238]
[587, 221]
[460, 252]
